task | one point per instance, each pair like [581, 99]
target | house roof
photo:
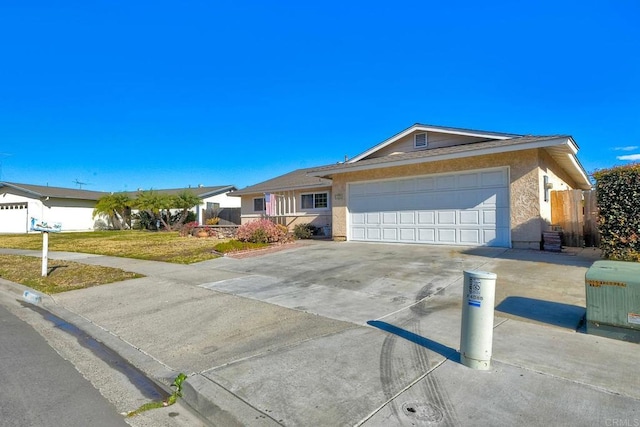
[561, 147]
[199, 191]
[418, 127]
[71, 193]
[57, 192]
[298, 179]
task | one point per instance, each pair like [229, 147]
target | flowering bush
[261, 231]
[188, 228]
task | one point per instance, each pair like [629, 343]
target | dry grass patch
[154, 246]
[63, 275]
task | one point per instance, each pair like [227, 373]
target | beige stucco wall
[524, 176]
[558, 177]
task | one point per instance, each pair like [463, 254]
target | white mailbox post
[45, 228]
[476, 334]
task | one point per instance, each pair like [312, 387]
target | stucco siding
[560, 180]
[525, 217]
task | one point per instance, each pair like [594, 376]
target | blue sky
[141, 94]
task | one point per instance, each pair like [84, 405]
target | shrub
[261, 231]
[304, 231]
[618, 192]
[187, 229]
[213, 221]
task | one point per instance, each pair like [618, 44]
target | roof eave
[241, 193]
[578, 174]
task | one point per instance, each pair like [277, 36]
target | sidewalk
[265, 344]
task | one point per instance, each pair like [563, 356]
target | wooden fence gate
[575, 213]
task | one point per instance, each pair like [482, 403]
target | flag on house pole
[270, 204]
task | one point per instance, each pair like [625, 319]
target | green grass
[236, 245]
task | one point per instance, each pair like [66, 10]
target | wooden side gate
[575, 213]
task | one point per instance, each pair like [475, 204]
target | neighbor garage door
[470, 208]
[13, 217]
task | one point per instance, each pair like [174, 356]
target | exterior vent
[420, 140]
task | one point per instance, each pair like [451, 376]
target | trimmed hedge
[618, 195]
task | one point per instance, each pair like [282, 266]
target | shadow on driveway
[554, 313]
[441, 349]
[577, 257]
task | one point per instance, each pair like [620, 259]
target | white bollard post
[45, 252]
[476, 333]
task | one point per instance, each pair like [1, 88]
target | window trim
[264, 204]
[314, 194]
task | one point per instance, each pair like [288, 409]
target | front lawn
[148, 245]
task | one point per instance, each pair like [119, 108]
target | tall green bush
[618, 195]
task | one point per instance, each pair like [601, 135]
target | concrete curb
[209, 400]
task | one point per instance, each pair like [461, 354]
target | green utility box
[613, 300]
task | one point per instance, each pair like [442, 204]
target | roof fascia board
[240, 193]
[218, 191]
[448, 156]
[423, 128]
[23, 189]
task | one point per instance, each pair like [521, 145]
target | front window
[258, 204]
[315, 201]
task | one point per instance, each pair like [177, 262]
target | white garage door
[470, 208]
[13, 217]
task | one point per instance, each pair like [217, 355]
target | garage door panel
[390, 234]
[358, 233]
[470, 236]
[357, 219]
[446, 217]
[372, 218]
[489, 217]
[469, 208]
[446, 235]
[446, 182]
[469, 180]
[373, 233]
[407, 217]
[427, 235]
[426, 217]
[493, 178]
[425, 184]
[389, 217]
[408, 234]
[469, 218]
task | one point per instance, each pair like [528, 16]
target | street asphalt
[348, 334]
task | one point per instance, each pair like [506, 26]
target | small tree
[185, 201]
[159, 207]
[114, 207]
[155, 204]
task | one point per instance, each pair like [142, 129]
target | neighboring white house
[74, 208]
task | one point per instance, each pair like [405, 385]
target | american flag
[270, 204]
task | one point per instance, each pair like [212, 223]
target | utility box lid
[613, 295]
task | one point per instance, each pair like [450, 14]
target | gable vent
[420, 140]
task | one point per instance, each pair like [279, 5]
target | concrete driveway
[342, 333]
[359, 282]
